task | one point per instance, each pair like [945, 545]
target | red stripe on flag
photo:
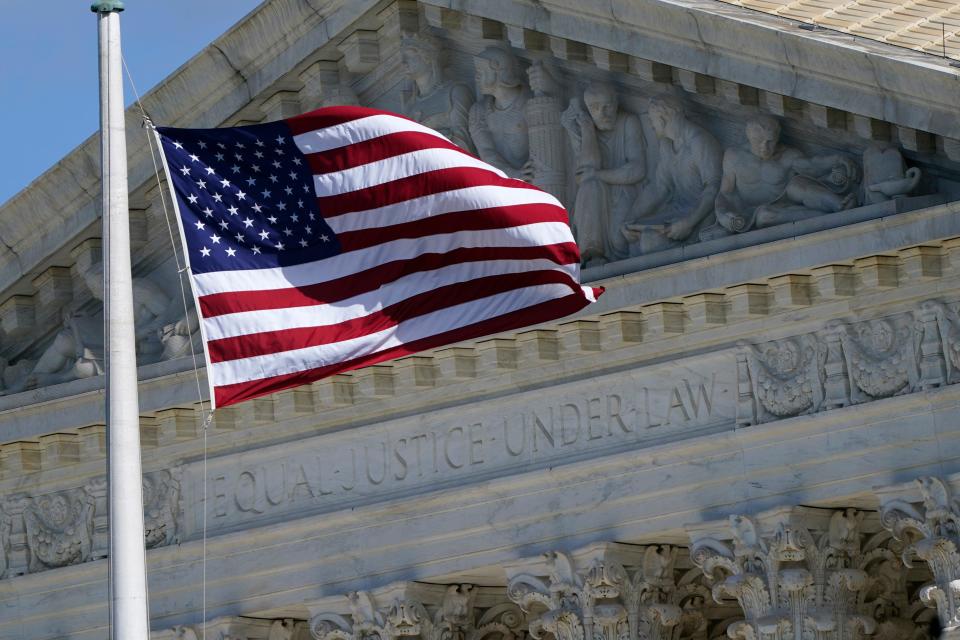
[543, 312]
[422, 184]
[471, 220]
[331, 117]
[327, 292]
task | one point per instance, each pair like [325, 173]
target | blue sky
[48, 69]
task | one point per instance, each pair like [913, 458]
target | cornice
[685, 311]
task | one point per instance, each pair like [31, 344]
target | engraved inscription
[511, 436]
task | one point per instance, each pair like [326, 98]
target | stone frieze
[847, 363]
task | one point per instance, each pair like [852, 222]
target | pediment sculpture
[498, 121]
[768, 183]
[609, 147]
[76, 349]
[627, 195]
[676, 200]
[437, 103]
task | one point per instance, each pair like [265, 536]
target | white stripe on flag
[365, 304]
[404, 165]
[351, 262]
[462, 315]
[466, 200]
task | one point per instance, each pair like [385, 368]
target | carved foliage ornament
[454, 618]
[932, 533]
[849, 363]
[881, 357]
[59, 528]
[786, 375]
[795, 583]
[607, 601]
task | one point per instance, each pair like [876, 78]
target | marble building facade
[753, 434]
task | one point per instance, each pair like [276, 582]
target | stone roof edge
[244, 61]
[899, 85]
[824, 67]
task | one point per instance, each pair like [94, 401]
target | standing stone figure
[609, 147]
[769, 183]
[443, 106]
[498, 123]
[678, 199]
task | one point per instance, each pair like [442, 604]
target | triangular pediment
[868, 129]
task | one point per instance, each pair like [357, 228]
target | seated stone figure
[678, 199]
[608, 146]
[443, 106]
[498, 124]
[768, 183]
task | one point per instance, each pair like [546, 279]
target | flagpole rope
[207, 415]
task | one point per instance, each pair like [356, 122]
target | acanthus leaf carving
[604, 599]
[453, 615]
[790, 581]
[931, 533]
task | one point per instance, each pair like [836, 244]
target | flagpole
[128, 588]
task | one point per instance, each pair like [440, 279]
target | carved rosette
[607, 601]
[59, 529]
[791, 583]
[454, 617]
[785, 376]
[161, 507]
[931, 532]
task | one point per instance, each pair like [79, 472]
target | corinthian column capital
[926, 518]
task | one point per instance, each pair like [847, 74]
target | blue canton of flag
[246, 198]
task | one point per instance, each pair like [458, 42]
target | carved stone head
[602, 103]
[420, 54]
[763, 134]
[666, 115]
[495, 67]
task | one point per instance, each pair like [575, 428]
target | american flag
[348, 236]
